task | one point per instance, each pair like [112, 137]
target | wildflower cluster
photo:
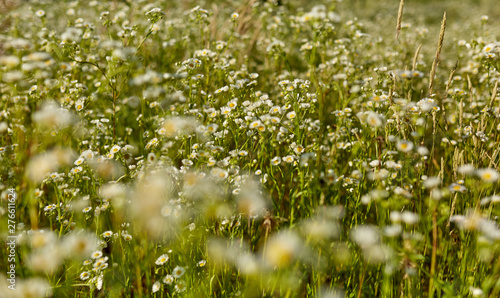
[255, 148]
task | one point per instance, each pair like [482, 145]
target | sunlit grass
[250, 148]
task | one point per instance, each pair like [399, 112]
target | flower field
[249, 148]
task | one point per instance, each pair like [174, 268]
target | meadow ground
[249, 148]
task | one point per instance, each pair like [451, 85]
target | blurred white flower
[41, 165]
[156, 287]
[51, 115]
[178, 272]
[488, 175]
[374, 119]
[175, 126]
[79, 244]
[282, 249]
[365, 235]
[404, 146]
[431, 182]
[162, 259]
[466, 169]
